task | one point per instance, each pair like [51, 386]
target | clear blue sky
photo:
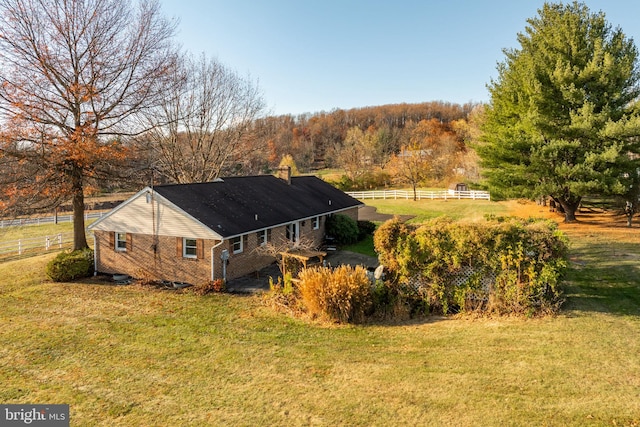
[315, 55]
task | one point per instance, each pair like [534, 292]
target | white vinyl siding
[136, 218]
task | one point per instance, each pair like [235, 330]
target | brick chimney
[284, 173]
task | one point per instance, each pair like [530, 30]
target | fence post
[60, 240]
[19, 247]
[47, 243]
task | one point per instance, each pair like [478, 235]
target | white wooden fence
[46, 219]
[420, 195]
[37, 245]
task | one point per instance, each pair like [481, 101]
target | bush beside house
[505, 266]
[67, 266]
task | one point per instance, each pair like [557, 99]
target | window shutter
[129, 242]
[199, 248]
[179, 247]
[112, 240]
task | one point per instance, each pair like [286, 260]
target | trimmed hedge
[67, 266]
[503, 266]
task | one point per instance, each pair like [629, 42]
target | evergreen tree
[561, 121]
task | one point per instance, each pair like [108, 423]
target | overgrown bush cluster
[67, 266]
[504, 266]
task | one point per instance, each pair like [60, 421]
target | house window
[316, 223]
[292, 232]
[236, 245]
[121, 242]
[189, 248]
[264, 237]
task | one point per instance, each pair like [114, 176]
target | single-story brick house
[184, 232]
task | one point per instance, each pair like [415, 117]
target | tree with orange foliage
[74, 76]
[430, 153]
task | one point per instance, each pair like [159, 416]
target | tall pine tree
[561, 121]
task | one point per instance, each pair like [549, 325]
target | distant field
[429, 209]
[26, 231]
[131, 356]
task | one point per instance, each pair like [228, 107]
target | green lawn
[428, 209]
[28, 231]
[132, 356]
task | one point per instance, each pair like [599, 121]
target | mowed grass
[129, 356]
[423, 210]
[31, 231]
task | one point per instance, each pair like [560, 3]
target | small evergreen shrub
[342, 294]
[67, 266]
[365, 228]
[343, 228]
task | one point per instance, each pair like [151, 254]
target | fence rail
[13, 249]
[421, 195]
[46, 219]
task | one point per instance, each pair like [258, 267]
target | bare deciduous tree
[283, 246]
[205, 122]
[73, 76]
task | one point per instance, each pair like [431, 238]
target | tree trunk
[415, 193]
[629, 211]
[569, 207]
[79, 234]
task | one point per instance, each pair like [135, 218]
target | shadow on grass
[604, 288]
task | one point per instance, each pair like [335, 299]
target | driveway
[370, 213]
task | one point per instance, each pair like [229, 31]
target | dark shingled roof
[229, 206]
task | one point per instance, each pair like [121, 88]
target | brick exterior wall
[162, 259]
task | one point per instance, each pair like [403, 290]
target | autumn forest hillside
[369, 144]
